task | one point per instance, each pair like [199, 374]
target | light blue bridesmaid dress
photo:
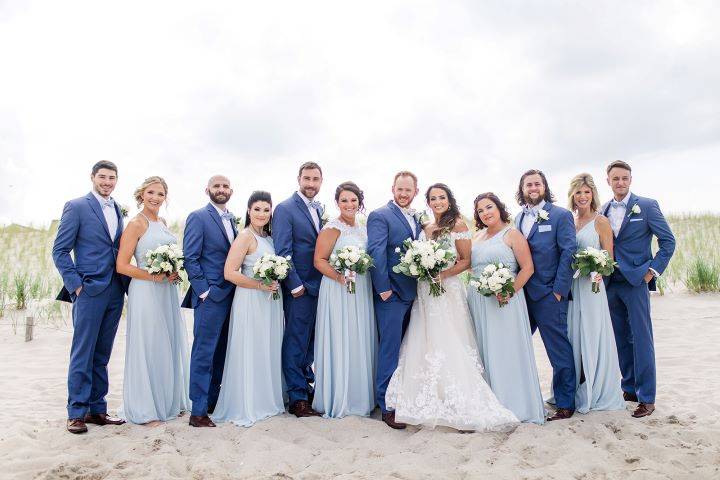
[156, 346]
[592, 338]
[345, 339]
[252, 379]
[504, 338]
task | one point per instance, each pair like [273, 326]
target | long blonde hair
[576, 183]
[148, 181]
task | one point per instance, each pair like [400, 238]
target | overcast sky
[469, 93]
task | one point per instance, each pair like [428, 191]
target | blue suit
[387, 230]
[294, 234]
[629, 296]
[552, 245]
[96, 312]
[206, 246]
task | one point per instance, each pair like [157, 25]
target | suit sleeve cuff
[654, 272]
[204, 294]
[297, 289]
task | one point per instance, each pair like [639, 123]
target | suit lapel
[404, 221]
[120, 226]
[95, 207]
[305, 210]
[534, 228]
[218, 221]
[628, 211]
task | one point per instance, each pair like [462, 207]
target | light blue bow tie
[316, 205]
[616, 204]
[530, 211]
[109, 203]
[227, 216]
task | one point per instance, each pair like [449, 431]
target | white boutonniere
[123, 211]
[635, 210]
[421, 217]
[324, 217]
[542, 216]
[361, 219]
[238, 222]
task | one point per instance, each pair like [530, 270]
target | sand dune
[681, 440]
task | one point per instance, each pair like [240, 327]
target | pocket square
[544, 228]
[637, 219]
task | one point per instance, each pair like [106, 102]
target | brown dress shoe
[201, 421]
[76, 425]
[302, 408]
[643, 410]
[103, 419]
[561, 414]
[630, 397]
[389, 419]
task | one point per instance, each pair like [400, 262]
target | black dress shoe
[630, 397]
[561, 414]
[389, 419]
[76, 425]
[302, 408]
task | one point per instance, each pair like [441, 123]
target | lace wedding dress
[439, 378]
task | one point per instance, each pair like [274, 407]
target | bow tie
[108, 203]
[616, 204]
[227, 216]
[530, 211]
[408, 211]
[315, 205]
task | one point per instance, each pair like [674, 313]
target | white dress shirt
[313, 211]
[226, 223]
[410, 219]
[529, 220]
[109, 213]
[616, 215]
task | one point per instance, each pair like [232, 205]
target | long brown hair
[549, 197]
[450, 216]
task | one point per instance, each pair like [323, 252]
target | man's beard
[219, 201]
[529, 201]
[308, 192]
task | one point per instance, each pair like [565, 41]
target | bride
[439, 379]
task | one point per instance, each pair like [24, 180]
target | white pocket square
[544, 228]
[637, 219]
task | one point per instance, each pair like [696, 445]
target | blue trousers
[207, 358]
[298, 344]
[550, 317]
[95, 323]
[392, 317]
[630, 314]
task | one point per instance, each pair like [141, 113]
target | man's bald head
[219, 189]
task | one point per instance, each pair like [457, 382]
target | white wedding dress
[439, 378]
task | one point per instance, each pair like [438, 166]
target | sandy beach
[680, 440]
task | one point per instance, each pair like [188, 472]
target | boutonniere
[542, 216]
[324, 217]
[237, 222]
[361, 219]
[421, 217]
[635, 210]
[123, 211]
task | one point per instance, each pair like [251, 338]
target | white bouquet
[424, 260]
[167, 259]
[350, 261]
[495, 279]
[272, 268]
[593, 262]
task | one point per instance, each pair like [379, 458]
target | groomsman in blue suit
[634, 221]
[550, 231]
[209, 232]
[388, 227]
[91, 227]
[295, 226]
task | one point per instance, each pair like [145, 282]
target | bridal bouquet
[167, 259]
[424, 260]
[350, 261]
[593, 262]
[271, 268]
[495, 279]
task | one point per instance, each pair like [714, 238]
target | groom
[635, 220]
[388, 227]
[209, 232]
[295, 226]
[90, 227]
[550, 232]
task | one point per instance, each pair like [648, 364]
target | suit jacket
[83, 230]
[633, 242]
[206, 246]
[387, 230]
[294, 234]
[552, 245]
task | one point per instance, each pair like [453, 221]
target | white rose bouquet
[424, 260]
[594, 263]
[496, 280]
[350, 261]
[272, 268]
[167, 259]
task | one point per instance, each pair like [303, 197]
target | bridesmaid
[589, 325]
[252, 378]
[155, 388]
[503, 334]
[345, 335]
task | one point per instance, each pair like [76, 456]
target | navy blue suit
[629, 296]
[206, 245]
[294, 233]
[96, 311]
[387, 230]
[552, 245]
